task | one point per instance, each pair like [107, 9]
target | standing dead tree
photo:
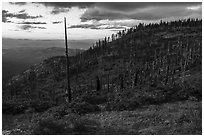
[68, 91]
[98, 85]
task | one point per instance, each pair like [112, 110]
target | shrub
[18, 106]
[56, 112]
[41, 106]
[95, 99]
[193, 89]
[83, 107]
[72, 124]
[49, 127]
[131, 99]
[13, 107]
[124, 100]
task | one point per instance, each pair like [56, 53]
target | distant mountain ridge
[8, 43]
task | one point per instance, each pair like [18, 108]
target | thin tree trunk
[68, 93]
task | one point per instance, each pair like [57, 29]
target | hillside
[145, 65]
[17, 60]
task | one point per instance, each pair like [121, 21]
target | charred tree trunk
[167, 75]
[68, 92]
[108, 80]
[135, 79]
[121, 82]
[98, 86]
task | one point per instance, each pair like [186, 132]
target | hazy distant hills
[20, 54]
[8, 43]
[16, 60]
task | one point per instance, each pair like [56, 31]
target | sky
[87, 20]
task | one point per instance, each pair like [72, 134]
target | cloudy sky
[86, 20]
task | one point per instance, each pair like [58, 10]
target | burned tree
[68, 91]
[98, 85]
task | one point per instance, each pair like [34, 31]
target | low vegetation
[166, 119]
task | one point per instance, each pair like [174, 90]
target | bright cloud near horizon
[87, 20]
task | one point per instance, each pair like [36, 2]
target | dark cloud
[41, 27]
[97, 26]
[129, 6]
[6, 15]
[18, 3]
[26, 22]
[138, 10]
[56, 22]
[101, 14]
[84, 26]
[67, 4]
[22, 11]
[61, 7]
[58, 10]
[4, 19]
[28, 27]
[15, 30]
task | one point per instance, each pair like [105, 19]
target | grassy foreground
[166, 119]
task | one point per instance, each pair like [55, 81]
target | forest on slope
[148, 64]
